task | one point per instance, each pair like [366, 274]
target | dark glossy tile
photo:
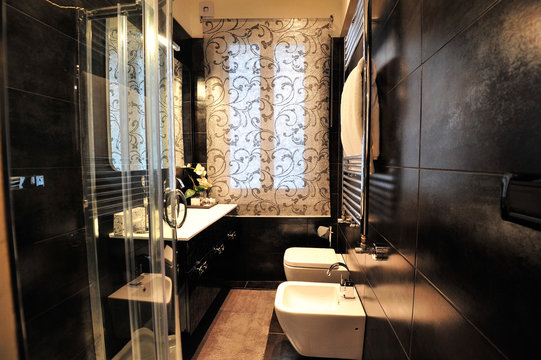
[200, 118]
[265, 266]
[397, 44]
[31, 66]
[440, 332]
[335, 172]
[351, 235]
[381, 10]
[400, 123]
[312, 225]
[478, 110]
[63, 332]
[49, 211]
[86, 354]
[335, 147]
[392, 281]
[274, 327]
[486, 266]
[356, 263]
[393, 208]
[279, 348]
[444, 19]
[51, 271]
[235, 284]
[64, 20]
[263, 235]
[380, 341]
[189, 157]
[200, 150]
[267, 285]
[43, 131]
[336, 206]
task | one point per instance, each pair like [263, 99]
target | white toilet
[311, 264]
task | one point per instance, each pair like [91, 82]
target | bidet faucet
[336, 265]
[346, 285]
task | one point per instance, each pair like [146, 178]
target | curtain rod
[201, 18]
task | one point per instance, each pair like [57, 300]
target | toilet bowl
[311, 264]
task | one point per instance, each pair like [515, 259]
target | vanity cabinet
[203, 264]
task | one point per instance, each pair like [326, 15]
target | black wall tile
[61, 19]
[265, 235]
[479, 117]
[478, 110]
[397, 44]
[63, 331]
[43, 62]
[49, 211]
[486, 266]
[380, 341]
[440, 332]
[265, 266]
[400, 123]
[392, 203]
[392, 281]
[444, 19]
[200, 154]
[62, 272]
[43, 131]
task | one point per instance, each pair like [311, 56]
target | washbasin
[148, 287]
[319, 321]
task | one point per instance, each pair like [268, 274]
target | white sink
[147, 288]
[319, 321]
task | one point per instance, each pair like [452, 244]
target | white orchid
[204, 185]
[200, 170]
[204, 182]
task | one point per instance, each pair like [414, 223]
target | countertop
[197, 220]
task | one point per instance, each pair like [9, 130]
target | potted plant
[197, 176]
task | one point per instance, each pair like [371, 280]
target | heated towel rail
[352, 188]
[355, 171]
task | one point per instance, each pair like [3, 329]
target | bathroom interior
[256, 179]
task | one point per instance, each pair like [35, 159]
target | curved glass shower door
[131, 203]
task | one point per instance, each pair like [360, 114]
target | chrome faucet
[346, 285]
[336, 265]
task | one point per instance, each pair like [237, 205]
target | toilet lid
[310, 257]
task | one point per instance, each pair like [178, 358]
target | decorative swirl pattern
[136, 101]
[267, 86]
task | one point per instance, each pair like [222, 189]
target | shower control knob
[231, 235]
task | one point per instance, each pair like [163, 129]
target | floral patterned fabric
[267, 90]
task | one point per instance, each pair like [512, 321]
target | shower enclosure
[131, 203]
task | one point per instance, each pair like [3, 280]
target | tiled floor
[246, 327]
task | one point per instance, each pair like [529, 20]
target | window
[267, 86]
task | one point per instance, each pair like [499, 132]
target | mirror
[136, 99]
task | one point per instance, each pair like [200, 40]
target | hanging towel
[351, 113]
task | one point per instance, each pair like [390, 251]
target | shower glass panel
[126, 79]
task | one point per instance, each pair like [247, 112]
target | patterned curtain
[136, 101]
[177, 112]
[267, 89]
